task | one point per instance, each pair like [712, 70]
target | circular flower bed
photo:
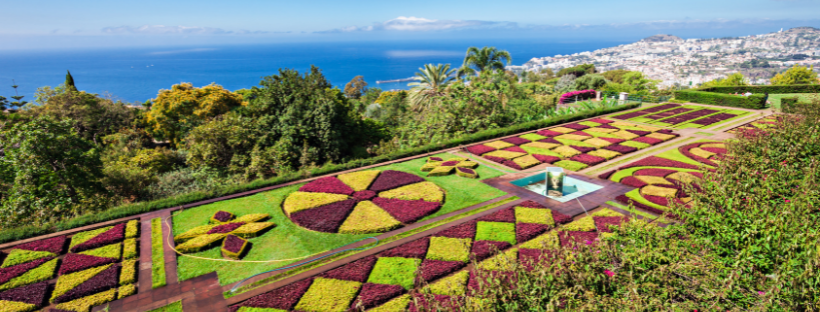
[370, 201]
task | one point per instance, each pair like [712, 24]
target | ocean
[137, 74]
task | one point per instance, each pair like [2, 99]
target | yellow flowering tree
[796, 75]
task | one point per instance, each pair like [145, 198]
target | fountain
[570, 188]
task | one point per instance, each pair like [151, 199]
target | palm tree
[431, 82]
[478, 60]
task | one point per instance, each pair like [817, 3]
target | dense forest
[69, 152]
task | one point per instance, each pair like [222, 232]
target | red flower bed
[406, 211]
[516, 140]
[226, 228]
[654, 161]
[581, 133]
[357, 270]
[633, 182]
[516, 149]
[657, 200]
[390, 179]
[647, 111]
[54, 245]
[528, 231]
[621, 148]
[77, 262]
[223, 216]
[8, 273]
[685, 151]
[588, 159]
[495, 159]
[569, 238]
[560, 218]
[373, 295]
[234, 244]
[434, 269]
[326, 218]
[613, 140]
[609, 127]
[628, 201]
[667, 113]
[550, 140]
[583, 149]
[715, 150]
[114, 235]
[648, 140]
[503, 215]
[549, 133]
[639, 132]
[466, 230]
[576, 126]
[105, 280]
[512, 164]
[689, 116]
[665, 131]
[283, 298]
[714, 118]
[449, 163]
[32, 294]
[530, 204]
[415, 249]
[479, 149]
[601, 121]
[546, 159]
[484, 249]
[364, 195]
[327, 185]
[466, 170]
[436, 159]
[655, 172]
[603, 223]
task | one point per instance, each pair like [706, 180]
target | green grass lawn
[801, 97]
[288, 240]
[173, 307]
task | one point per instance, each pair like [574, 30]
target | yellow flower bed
[599, 143]
[653, 180]
[604, 153]
[660, 136]
[701, 152]
[359, 180]
[368, 218]
[526, 161]
[427, 191]
[505, 154]
[573, 137]
[658, 191]
[298, 201]
[499, 145]
[563, 129]
[566, 151]
[626, 135]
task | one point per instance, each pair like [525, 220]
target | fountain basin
[572, 189]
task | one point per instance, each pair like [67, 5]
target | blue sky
[55, 24]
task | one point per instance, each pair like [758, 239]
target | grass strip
[300, 269]
[172, 307]
[157, 254]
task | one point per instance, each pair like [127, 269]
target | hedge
[805, 88]
[754, 101]
[14, 234]
[787, 104]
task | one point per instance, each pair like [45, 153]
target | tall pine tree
[69, 81]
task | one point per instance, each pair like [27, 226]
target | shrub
[480, 149]
[193, 233]
[526, 161]
[225, 228]
[414, 249]
[441, 171]
[433, 269]
[284, 298]
[532, 137]
[581, 95]
[636, 144]
[454, 285]
[355, 271]
[199, 243]
[253, 217]
[326, 218]
[566, 151]
[754, 101]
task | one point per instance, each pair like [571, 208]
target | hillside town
[689, 62]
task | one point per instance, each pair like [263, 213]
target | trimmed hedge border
[20, 233]
[803, 88]
[754, 101]
[157, 254]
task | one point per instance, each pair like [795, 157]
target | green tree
[356, 87]
[796, 75]
[639, 82]
[479, 60]
[225, 142]
[175, 112]
[616, 76]
[18, 99]
[590, 82]
[577, 71]
[430, 84]
[53, 172]
[69, 81]
[732, 80]
[565, 84]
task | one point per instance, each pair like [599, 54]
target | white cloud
[165, 30]
[413, 23]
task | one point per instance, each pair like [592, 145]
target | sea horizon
[137, 74]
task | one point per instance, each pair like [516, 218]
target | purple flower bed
[546, 159]
[588, 159]
[613, 140]
[633, 182]
[234, 243]
[479, 149]
[406, 211]
[503, 215]
[688, 116]
[576, 126]
[530, 204]
[54, 245]
[549, 133]
[528, 231]
[715, 150]
[623, 149]
[8, 273]
[685, 151]
[484, 249]
[569, 238]
[607, 174]
[714, 118]
[582, 149]
[603, 223]
[639, 132]
[580, 94]
[645, 111]
[283, 298]
[373, 295]
[449, 163]
[105, 280]
[516, 149]
[655, 172]
[226, 228]
[601, 121]
[435, 159]
[663, 201]
[357, 270]
[648, 140]
[466, 230]
[495, 159]
[654, 161]
[326, 218]
[512, 164]
[415, 249]
[581, 133]
[668, 113]
[530, 258]
[628, 201]
[466, 170]
[434, 269]
[32, 294]
[364, 195]
[390, 179]
[327, 185]
[550, 140]
[665, 131]
[609, 127]
[516, 140]
[223, 216]
[114, 235]
[560, 218]
[77, 262]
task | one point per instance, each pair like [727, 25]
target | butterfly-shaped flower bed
[224, 227]
[97, 267]
[370, 201]
[573, 146]
[435, 267]
[437, 166]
